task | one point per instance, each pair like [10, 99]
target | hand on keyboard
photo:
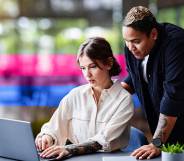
[54, 158]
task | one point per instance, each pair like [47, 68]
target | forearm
[83, 148]
[164, 127]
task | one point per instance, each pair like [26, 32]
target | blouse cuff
[101, 140]
[51, 135]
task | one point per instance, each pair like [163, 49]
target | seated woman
[92, 117]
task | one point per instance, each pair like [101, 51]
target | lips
[91, 81]
[137, 54]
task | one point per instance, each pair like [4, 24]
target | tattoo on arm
[164, 127]
[83, 148]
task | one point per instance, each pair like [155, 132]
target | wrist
[48, 135]
[71, 149]
[157, 142]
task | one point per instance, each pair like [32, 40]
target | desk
[95, 157]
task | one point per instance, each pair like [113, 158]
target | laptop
[17, 141]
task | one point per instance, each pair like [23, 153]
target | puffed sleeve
[58, 124]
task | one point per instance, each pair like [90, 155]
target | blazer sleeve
[128, 79]
[173, 97]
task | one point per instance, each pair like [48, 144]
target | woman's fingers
[38, 143]
[56, 151]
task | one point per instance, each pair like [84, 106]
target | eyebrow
[132, 39]
[88, 64]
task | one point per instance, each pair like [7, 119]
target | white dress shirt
[144, 68]
[80, 119]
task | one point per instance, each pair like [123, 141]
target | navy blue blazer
[164, 92]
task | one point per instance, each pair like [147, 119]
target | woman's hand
[43, 142]
[55, 150]
[146, 152]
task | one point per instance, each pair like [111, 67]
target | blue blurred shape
[49, 96]
[56, 93]
[137, 139]
[136, 101]
[10, 95]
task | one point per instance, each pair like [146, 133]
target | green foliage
[66, 45]
[167, 15]
[173, 148]
[171, 14]
[62, 24]
[58, 37]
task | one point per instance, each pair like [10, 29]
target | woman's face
[138, 42]
[96, 75]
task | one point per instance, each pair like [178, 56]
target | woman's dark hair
[97, 48]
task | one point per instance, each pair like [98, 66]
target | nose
[131, 46]
[87, 73]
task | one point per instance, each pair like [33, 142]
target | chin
[93, 85]
[139, 57]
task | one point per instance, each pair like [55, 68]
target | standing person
[154, 55]
[94, 116]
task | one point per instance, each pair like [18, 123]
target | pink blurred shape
[45, 65]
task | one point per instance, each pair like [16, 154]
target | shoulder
[171, 40]
[123, 97]
[119, 92]
[125, 94]
[172, 32]
[75, 95]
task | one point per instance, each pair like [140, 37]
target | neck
[97, 91]
[105, 85]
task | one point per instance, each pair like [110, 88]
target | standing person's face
[138, 42]
[96, 75]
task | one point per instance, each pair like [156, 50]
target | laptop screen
[17, 141]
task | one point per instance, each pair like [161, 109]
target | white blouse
[79, 119]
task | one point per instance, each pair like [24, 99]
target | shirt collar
[115, 88]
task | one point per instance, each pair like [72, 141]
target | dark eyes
[82, 68]
[133, 42]
[136, 42]
[91, 66]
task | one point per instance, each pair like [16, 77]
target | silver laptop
[17, 141]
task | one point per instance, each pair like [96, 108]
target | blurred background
[39, 40]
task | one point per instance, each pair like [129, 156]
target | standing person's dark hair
[140, 19]
[97, 48]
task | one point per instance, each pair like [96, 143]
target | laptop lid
[17, 141]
